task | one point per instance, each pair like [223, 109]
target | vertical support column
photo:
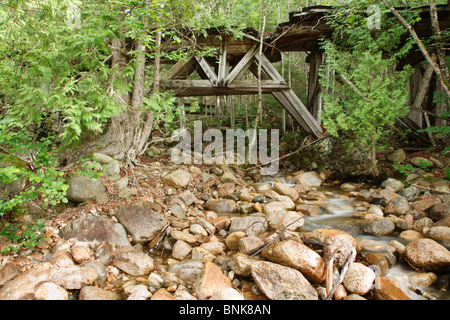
[314, 103]
[415, 116]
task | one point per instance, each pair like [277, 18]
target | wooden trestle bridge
[223, 74]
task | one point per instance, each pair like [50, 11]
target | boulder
[385, 290]
[142, 224]
[410, 193]
[379, 227]
[50, 291]
[311, 178]
[392, 185]
[102, 158]
[181, 250]
[296, 255]
[83, 189]
[439, 211]
[250, 224]
[428, 255]
[95, 293]
[397, 206]
[398, 156]
[290, 220]
[275, 280]
[359, 279]
[22, 287]
[421, 162]
[425, 203]
[93, 228]
[227, 294]
[285, 190]
[221, 205]
[178, 179]
[211, 281]
[74, 277]
[133, 262]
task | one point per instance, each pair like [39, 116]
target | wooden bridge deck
[223, 74]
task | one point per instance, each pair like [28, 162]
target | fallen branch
[344, 270]
[430, 189]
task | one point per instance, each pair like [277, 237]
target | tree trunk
[439, 40]
[421, 46]
[129, 131]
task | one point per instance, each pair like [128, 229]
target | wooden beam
[207, 70]
[223, 69]
[298, 111]
[183, 68]
[243, 65]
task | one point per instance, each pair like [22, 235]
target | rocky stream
[164, 232]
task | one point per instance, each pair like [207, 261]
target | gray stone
[102, 158]
[421, 162]
[74, 277]
[133, 262]
[127, 192]
[398, 156]
[178, 179]
[83, 189]
[93, 228]
[112, 169]
[274, 280]
[397, 206]
[221, 206]
[379, 227]
[142, 224]
[250, 224]
[410, 193]
[121, 184]
[392, 185]
[311, 178]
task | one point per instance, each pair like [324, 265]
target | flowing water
[338, 209]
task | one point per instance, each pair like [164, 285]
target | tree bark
[129, 131]
[439, 40]
[422, 48]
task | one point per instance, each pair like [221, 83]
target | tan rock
[210, 281]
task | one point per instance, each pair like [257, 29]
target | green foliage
[363, 91]
[37, 173]
[52, 71]
[447, 173]
[441, 97]
[28, 236]
[403, 169]
[163, 106]
[90, 168]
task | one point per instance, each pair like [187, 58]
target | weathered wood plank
[298, 111]
[207, 70]
[243, 65]
[183, 68]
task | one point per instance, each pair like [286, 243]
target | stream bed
[338, 209]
